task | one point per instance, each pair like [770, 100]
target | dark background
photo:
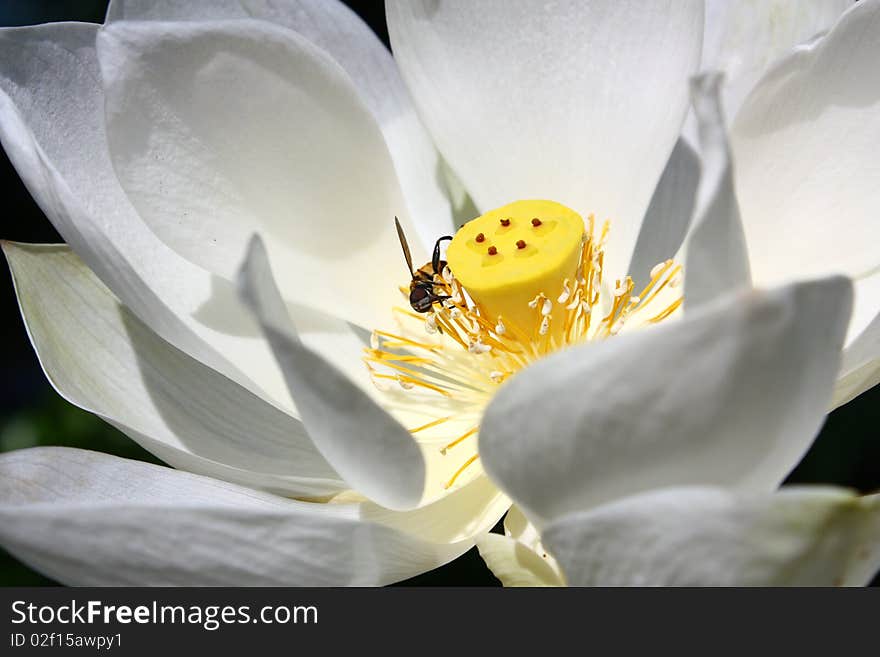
[846, 453]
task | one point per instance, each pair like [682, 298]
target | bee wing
[404, 246]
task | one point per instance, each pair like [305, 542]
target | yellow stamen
[467, 434]
[413, 381]
[434, 423]
[671, 276]
[377, 356]
[406, 341]
[458, 472]
[666, 313]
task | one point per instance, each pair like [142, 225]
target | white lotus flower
[160, 143]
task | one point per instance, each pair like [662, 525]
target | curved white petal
[520, 528]
[860, 367]
[520, 560]
[341, 33]
[805, 146]
[100, 357]
[669, 213]
[514, 563]
[864, 322]
[713, 537]
[744, 39]
[460, 515]
[731, 395]
[368, 447]
[854, 383]
[91, 519]
[52, 127]
[716, 258]
[577, 102]
[219, 130]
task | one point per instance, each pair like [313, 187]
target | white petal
[860, 367]
[854, 383]
[518, 527]
[52, 126]
[577, 102]
[91, 519]
[219, 130]
[337, 30]
[731, 395]
[175, 10]
[464, 513]
[716, 259]
[866, 306]
[805, 146]
[515, 564]
[519, 558]
[368, 447]
[669, 214]
[712, 537]
[743, 39]
[99, 356]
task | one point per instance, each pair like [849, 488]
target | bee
[421, 288]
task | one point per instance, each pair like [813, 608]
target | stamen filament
[431, 424]
[458, 472]
[416, 382]
[467, 434]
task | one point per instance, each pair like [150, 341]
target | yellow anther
[537, 246]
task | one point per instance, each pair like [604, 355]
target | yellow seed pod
[508, 256]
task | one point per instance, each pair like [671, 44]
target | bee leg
[435, 260]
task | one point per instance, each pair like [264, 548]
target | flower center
[521, 281]
[511, 256]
